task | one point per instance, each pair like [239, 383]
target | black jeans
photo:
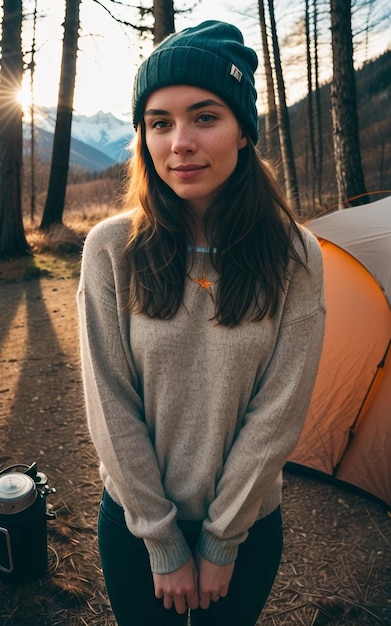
[129, 581]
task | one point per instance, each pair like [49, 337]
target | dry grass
[59, 239]
[336, 567]
[57, 251]
[67, 238]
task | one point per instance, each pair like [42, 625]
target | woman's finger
[167, 601]
[180, 604]
[204, 600]
[192, 600]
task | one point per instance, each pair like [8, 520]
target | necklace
[202, 281]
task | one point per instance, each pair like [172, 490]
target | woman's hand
[213, 580]
[178, 588]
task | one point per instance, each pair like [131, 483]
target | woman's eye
[206, 118]
[160, 124]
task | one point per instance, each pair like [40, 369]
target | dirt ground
[336, 567]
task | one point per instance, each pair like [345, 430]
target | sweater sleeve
[115, 410]
[274, 418]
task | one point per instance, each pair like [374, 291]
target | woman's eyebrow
[156, 112]
[192, 107]
[204, 103]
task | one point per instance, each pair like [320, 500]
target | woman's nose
[183, 139]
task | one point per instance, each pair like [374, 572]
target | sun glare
[24, 97]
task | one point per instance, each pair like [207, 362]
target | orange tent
[347, 433]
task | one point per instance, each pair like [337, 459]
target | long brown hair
[249, 225]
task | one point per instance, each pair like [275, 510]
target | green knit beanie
[211, 56]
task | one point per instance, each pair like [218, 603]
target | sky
[109, 53]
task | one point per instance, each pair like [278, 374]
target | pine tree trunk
[163, 13]
[318, 111]
[12, 237]
[349, 172]
[310, 104]
[55, 200]
[271, 124]
[291, 184]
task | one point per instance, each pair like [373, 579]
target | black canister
[23, 529]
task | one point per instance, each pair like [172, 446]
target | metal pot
[23, 529]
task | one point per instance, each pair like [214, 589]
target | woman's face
[193, 138]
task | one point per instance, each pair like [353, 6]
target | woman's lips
[188, 171]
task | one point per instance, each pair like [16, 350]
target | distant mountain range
[97, 142]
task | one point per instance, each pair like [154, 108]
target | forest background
[336, 564]
[330, 149]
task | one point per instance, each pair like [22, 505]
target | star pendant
[204, 283]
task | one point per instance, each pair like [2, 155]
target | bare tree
[288, 161]
[318, 109]
[310, 111]
[156, 20]
[347, 155]
[55, 200]
[163, 13]
[370, 18]
[12, 237]
[271, 124]
[313, 99]
[31, 67]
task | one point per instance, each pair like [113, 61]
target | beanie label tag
[236, 73]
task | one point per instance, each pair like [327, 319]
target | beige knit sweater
[193, 420]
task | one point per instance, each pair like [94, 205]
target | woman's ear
[242, 141]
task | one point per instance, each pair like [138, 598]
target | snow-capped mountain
[101, 132]
[104, 132]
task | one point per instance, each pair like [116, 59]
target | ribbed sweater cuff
[169, 554]
[216, 550]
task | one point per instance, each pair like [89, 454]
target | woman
[201, 325]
